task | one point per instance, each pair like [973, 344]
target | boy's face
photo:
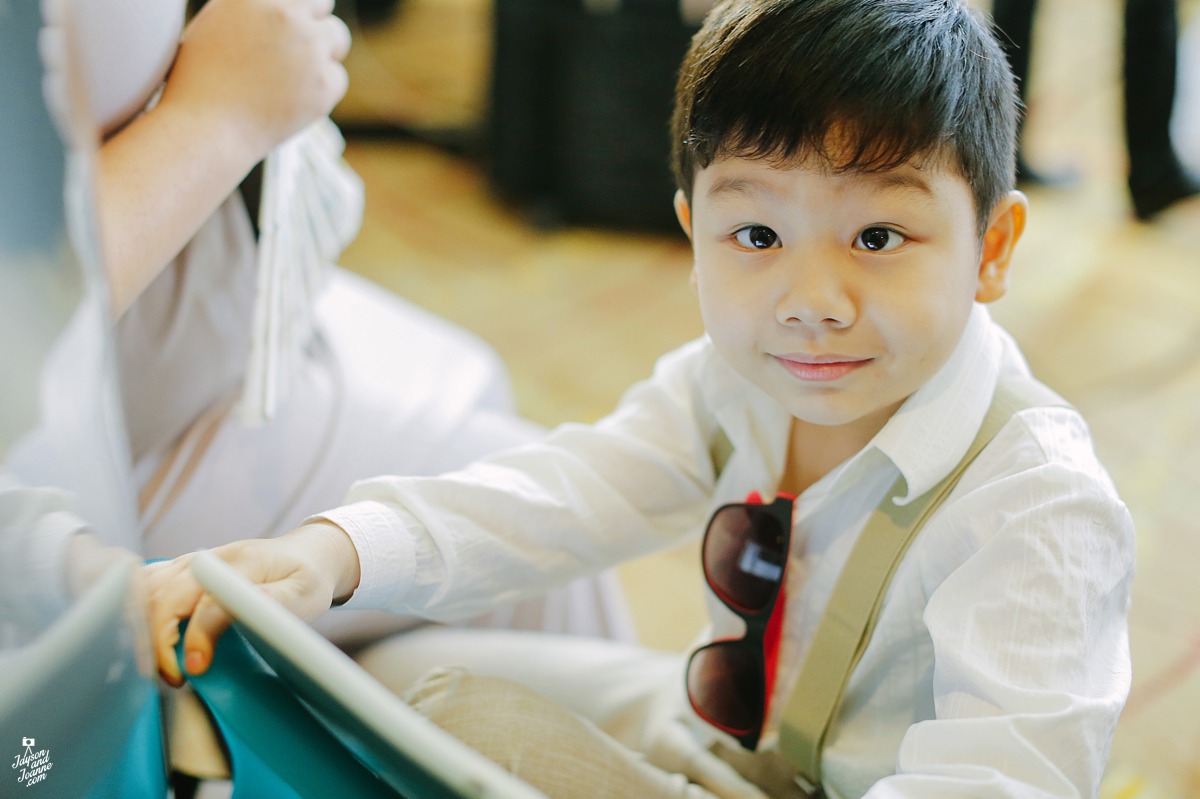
[841, 294]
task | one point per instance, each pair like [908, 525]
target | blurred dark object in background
[367, 13]
[580, 100]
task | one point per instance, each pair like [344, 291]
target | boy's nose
[815, 293]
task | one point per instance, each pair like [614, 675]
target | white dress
[377, 386]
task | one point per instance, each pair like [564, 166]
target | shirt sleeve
[36, 524]
[520, 522]
[1029, 629]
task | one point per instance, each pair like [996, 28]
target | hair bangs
[859, 85]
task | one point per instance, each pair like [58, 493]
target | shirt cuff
[386, 553]
[34, 576]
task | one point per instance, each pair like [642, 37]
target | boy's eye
[757, 237]
[878, 239]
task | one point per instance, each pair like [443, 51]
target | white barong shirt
[1000, 662]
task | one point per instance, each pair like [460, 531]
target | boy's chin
[843, 412]
[826, 418]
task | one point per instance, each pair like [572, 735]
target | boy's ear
[683, 212]
[1003, 233]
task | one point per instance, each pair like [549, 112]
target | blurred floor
[1107, 309]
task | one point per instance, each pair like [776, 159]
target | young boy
[845, 171]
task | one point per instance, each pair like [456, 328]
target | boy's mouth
[819, 368]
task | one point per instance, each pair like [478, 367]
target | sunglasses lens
[725, 683]
[744, 553]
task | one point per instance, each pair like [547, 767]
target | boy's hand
[269, 67]
[306, 570]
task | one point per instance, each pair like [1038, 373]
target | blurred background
[1106, 307]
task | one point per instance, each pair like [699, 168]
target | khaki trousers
[575, 717]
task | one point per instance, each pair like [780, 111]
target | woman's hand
[307, 571]
[248, 75]
[269, 67]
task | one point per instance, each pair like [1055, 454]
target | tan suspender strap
[721, 451]
[849, 619]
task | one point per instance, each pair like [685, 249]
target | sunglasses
[744, 555]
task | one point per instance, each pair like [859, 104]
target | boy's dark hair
[893, 79]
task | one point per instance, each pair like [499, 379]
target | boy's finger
[166, 635]
[209, 620]
[171, 593]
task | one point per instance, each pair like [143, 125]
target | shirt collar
[757, 426]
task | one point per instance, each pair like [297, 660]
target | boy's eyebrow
[892, 179]
[736, 185]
